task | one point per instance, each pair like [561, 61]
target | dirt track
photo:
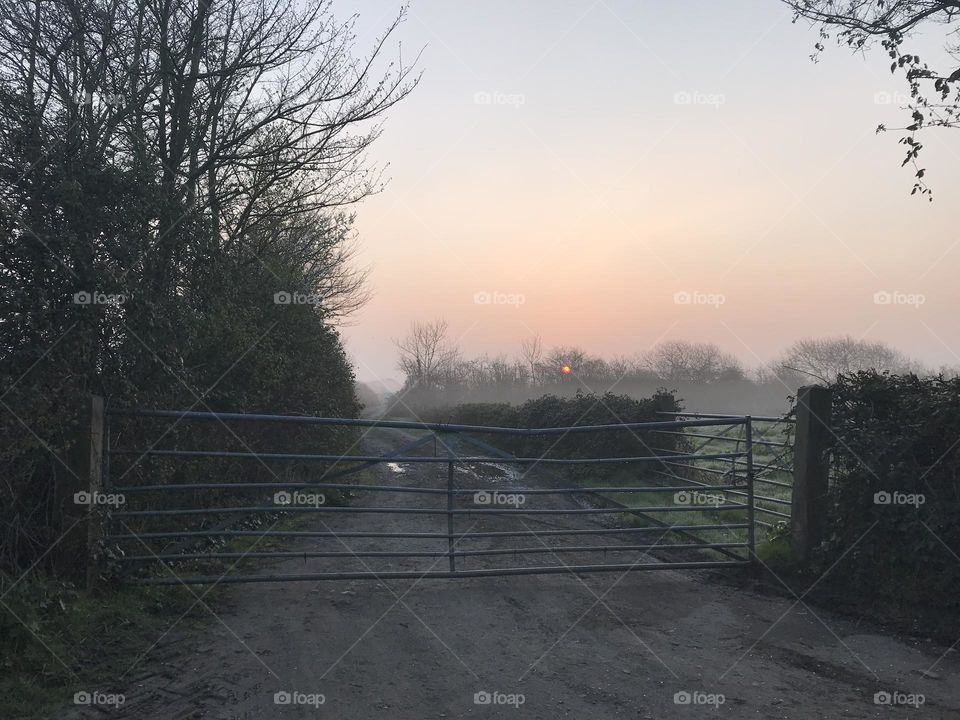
[602, 646]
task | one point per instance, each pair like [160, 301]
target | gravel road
[554, 646]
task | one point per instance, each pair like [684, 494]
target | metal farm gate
[453, 501]
[772, 448]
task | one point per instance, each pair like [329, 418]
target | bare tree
[934, 92]
[597, 372]
[241, 111]
[531, 352]
[824, 358]
[622, 367]
[681, 361]
[564, 355]
[425, 354]
[503, 374]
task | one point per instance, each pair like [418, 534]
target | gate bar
[766, 443]
[720, 416]
[751, 503]
[411, 425]
[421, 511]
[450, 543]
[173, 557]
[413, 535]
[421, 458]
[403, 488]
[428, 574]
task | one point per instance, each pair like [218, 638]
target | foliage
[896, 437]
[582, 409]
[934, 99]
[165, 172]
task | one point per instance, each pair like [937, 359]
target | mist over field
[701, 376]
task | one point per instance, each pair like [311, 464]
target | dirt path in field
[554, 646]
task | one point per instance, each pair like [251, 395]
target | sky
[614, 174]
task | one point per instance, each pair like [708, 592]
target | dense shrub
[897, 438]
[205, 332]
[239, 352]
[582, 409]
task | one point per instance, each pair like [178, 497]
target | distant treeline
[702, 376]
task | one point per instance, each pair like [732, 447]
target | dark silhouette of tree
[681, 361]
[194, 161]
[426, 357]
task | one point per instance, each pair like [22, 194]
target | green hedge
[897, 438]
[242, 353]
[582, 409]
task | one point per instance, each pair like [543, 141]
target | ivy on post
[811, 470]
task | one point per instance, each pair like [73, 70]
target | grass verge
[56, 640]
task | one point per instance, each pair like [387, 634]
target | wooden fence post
[811, 470]
[77, 490]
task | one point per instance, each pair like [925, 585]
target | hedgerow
[895, 490]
